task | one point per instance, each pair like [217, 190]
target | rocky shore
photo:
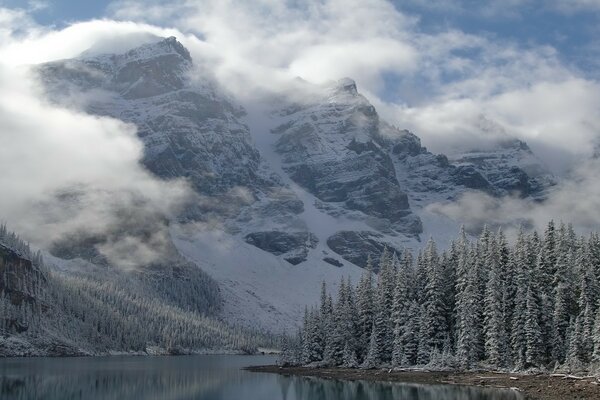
[532, 386]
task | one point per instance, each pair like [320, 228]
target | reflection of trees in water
[185, 378]
[284, 383]
[307, 388]
[94, 386]
[157, 384]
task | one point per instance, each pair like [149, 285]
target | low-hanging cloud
[575, 200]
[66, 175]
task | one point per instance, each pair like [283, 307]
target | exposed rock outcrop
[357, 247]
[292, 246]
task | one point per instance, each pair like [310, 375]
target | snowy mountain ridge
[300, 191]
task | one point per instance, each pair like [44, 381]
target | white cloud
[272, 41]
[573, 201]
[447, 80]
[33, 44]
[67, 174]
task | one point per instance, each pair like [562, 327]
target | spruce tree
[521, 267]
[402, 297]
[596, 339]
[384, 304]
[468, 306]
[372, 359]
[563, 305]
[410, 340]
[365, 309]
[434, 319]
[494, 326]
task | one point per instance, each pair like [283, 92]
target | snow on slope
[259, 289]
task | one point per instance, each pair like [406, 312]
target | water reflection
[310, 388]
[198, 377]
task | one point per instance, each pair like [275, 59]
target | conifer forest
[485, 303]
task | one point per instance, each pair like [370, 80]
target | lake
[207, 377]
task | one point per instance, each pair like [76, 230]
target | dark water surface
[198, 377]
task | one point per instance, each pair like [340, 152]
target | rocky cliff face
[334, 147]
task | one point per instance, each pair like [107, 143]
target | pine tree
[449, 265]
[533, 334]
[372, 360]
[365, 305]
[521, 266]
[562, 306]
[349, 360]
[494, 328]
[596, 339]
[573, 360]
[587, 301]
[402, 297]
[384, 304]
[410, 340]
[506, 267]
[468, 306]
[434, 319]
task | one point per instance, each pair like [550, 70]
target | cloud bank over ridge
[439, 83]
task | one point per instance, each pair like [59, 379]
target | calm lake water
[197, 377]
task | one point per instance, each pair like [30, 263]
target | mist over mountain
[302, 185]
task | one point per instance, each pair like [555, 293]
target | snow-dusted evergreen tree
[325, 321]
[338, 334]
[434, 328]
[449, 265]
[534, 346]
[349, 360]
[588, 297]
[496, 343]
[594, 253]
[480, 303]
[563, 305]
[506, 267]
[384, 299]
[574, 351]
[410, 340]
[372, 359]
[522, 269]
[468, 310]
[402, 298]
[311, 337]
[596, 339]
[365, 308]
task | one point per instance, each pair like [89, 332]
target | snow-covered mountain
[293, 189]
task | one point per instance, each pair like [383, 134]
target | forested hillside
[482, 303]
[44, 311]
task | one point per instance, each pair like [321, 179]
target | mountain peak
[347, 85]
[172, 43]
[168, 45]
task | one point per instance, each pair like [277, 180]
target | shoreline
[538, 387]
[136, 354]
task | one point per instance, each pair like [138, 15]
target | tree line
[478, 304]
